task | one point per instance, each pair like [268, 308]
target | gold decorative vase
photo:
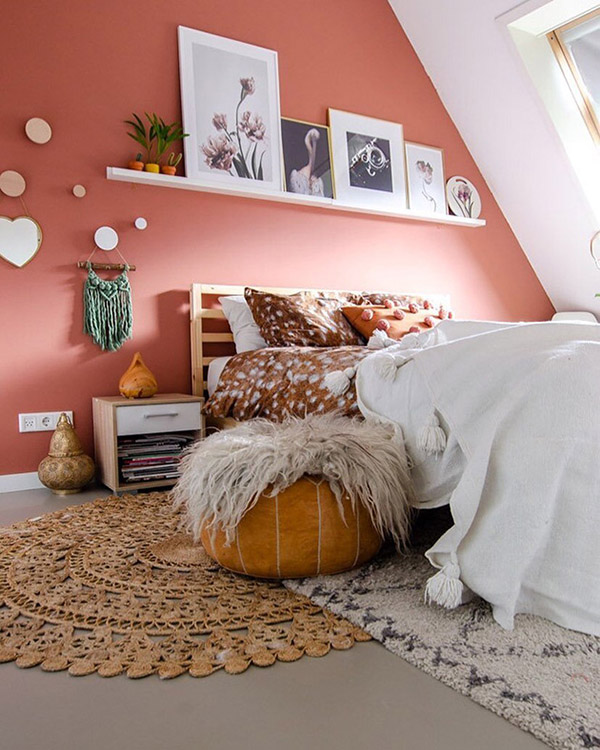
[137, 381]
[66, 469]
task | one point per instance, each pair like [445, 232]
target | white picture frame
[368, 161]
[425, 178]
[230, 108]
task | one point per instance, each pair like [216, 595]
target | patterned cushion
[382, 298]
[302, 319]
[396, 321]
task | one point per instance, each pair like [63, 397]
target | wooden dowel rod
[105, 266]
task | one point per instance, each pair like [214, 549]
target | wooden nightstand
[142, 428]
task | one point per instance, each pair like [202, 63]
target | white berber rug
[541, 677]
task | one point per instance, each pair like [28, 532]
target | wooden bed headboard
[210, 334]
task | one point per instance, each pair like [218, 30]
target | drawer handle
[161, 414]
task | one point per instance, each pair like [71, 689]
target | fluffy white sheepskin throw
[224, 475]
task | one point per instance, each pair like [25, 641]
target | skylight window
[577, 49]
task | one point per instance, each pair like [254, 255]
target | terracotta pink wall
[85, 67]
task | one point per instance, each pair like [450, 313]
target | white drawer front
[137, 420]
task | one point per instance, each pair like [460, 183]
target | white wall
[473, 63]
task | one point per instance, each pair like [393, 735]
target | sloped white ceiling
[484, 86]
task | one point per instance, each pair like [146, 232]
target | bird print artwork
[307, 158]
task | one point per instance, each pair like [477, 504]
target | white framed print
[425, 178]
[368, 160]
[230, 108]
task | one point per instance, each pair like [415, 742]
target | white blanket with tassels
[521, 467]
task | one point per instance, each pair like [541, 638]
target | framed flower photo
[368, 160]
[306, 158]
[230, 108]
[425, 178]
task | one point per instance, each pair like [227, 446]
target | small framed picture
[368, 160]
[230, 108]
[425, 178]
[306, 158]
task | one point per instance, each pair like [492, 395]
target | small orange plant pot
[167, 169]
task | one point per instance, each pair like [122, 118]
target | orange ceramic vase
[137, 381]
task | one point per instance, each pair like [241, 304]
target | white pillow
[246, 334]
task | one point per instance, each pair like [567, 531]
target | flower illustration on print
[219, 152]
[220, 122]
[464, 197]
[425, 171]
[242, 148]
[252, 126]
[248, 87]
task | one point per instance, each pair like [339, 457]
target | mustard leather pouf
[298, 533]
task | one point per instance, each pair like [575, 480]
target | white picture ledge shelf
[186, 183]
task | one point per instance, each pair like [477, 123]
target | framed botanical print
[425, 178]
[306, 158]
[368, 160]
[230, 108]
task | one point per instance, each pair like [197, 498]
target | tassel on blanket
[380, 340]
[385, 365]
[339, 381]
[445, 587]
[432, 438]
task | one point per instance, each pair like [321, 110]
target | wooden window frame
[572, 75]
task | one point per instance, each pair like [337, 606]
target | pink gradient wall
[85, 67]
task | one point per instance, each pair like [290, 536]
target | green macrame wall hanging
[107, 310]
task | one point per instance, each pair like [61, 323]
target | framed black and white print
[425, 178]
[306, 158]
[368, 160]
[230, 108]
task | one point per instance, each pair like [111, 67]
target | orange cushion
[396, 321]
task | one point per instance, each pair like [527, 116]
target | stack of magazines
[148, 458]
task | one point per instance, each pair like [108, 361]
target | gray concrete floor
[362, 698]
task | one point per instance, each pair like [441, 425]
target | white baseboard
[18, 482]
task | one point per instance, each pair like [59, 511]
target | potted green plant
[136, 163]
[171, 166]
[166, 135]
[146, 137]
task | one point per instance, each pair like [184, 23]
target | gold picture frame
[296, 146]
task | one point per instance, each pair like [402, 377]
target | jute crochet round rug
[112, 586]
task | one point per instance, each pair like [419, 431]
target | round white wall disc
[79, 191]
[140, 223]
[106, 238]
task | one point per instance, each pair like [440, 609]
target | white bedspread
[521, 468]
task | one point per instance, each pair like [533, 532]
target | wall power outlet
[41, 421]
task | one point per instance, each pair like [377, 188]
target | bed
[518, 410]
[291, 376]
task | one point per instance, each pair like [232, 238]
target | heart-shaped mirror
[20, 239]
